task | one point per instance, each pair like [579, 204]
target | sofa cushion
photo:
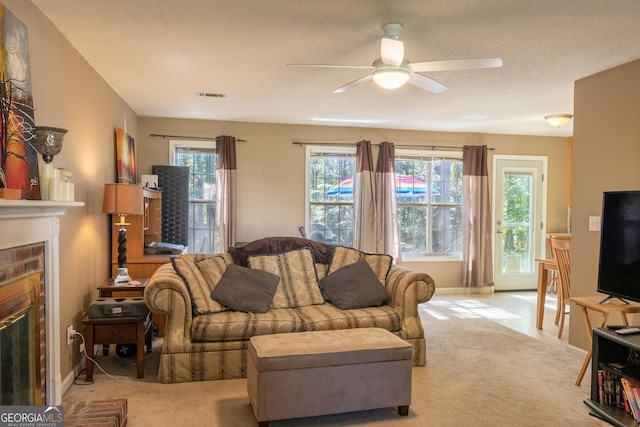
[237, 325]
[298, 285]
[197, 285]
[354, 286]
[328, 317]
[213, 267]
[379, 263]
[245, 289]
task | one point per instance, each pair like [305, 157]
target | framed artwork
[19, 162]
[125, 158]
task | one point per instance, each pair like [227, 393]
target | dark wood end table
[119, 330]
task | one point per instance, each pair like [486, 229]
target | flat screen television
[619, 266]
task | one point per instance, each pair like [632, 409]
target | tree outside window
[429, 198]
[430, 205]
[331, 198]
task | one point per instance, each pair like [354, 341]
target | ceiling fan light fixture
[391, 78]
[558, 120]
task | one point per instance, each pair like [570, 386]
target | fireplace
[21, 355]
[29, 231]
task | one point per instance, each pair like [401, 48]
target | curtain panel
[226, 199]
[387, 238]
[364, 204]
[476, 217]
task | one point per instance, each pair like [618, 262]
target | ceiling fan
[392, 70]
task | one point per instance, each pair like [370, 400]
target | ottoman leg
[403, 410]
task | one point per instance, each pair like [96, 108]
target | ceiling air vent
[210, 95]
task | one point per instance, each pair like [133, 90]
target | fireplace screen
[16, 359]
[20, 343]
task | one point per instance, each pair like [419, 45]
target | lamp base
[122, 277]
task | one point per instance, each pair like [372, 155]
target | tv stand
[610, 297]
[610, 353]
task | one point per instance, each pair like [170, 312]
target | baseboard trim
[577, 351]
[461, 290]
[75, 372]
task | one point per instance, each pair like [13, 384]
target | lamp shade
[122, 199]
[392, 77]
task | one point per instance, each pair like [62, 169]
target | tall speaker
[174, 182]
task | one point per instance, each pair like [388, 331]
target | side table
[108, 289]
[120, 330]
[604, 308]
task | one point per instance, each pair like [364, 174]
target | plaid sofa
[204, 340]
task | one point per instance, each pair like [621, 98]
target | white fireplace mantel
[24, 222]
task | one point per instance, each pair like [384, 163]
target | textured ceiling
[157, 54]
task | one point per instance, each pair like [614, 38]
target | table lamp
[122, 200]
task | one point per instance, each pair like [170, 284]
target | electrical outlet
[594, 223]
[70, 333]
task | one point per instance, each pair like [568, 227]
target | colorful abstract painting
[17, 129]
[125, 158]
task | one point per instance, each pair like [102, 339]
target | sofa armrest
[166, 293]
[407, 289]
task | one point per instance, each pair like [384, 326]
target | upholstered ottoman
[305, 374]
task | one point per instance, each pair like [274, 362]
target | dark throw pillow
[244, 289]
[354, 286]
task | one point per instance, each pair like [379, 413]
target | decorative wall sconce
[558, 120]
[48, 142]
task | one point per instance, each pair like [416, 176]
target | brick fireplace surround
[24, 226]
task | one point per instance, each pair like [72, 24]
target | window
[429, 199]
[200, 157]
[330, 196]
[428, 195]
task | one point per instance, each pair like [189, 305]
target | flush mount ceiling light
[558, 120]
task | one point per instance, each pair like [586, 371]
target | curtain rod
[349, 144]
[190, 137]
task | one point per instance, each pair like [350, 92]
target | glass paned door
[518, 223]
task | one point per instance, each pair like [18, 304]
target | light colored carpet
[478, 373]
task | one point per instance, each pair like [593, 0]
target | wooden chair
[561, 248]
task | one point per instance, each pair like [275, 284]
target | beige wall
[68, 93]
[271, 174]
[606, 158]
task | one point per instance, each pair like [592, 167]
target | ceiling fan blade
[364, 67]
[456, 64]
[392, 52]
[353, 83]
[424, 82]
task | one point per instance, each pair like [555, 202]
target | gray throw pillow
[354, 286]
[244, 289]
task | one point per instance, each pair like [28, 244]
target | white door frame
[543, 220]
